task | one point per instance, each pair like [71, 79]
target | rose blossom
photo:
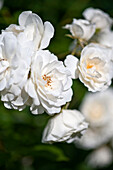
[96, 16]
[95, 68]
[104, 38]
[18, 45]
[15, 60]
[66, 126]
[14, 63]
[81, 29]
[101, 157]
[49, 83]
[33, 29]
[98, 111]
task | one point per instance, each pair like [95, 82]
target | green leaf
[51, 149]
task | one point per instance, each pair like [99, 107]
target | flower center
[89, 65]
[97, 113]
[48, 80]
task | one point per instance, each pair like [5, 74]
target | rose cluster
[93, 34]
[30, 75]
[91, 60]
[98, 111]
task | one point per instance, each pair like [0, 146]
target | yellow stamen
[89, 66]
[48, 80]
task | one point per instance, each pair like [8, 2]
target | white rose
[81, 29]
[95, 68]
[15, 60]
[12, 60]
[49, 83]
[98, 111]
[98, 17]
[104, 37]
[12, 101]
[33, 29]
[66, 126]
[101, 157]
[18, 46]
[102, 104]
[94, 137]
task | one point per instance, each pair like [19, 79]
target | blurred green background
[20, 132]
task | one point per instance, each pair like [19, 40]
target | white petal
[30, 89]
[3, 65]
[47, 35]
[71, 63]
[76, 30]
[23, 17]
[10, 45]
[51, 109]
[7, 105]
[72, 118]
[20, 100]
[27, 18]
[36, 109]
[2, 84]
